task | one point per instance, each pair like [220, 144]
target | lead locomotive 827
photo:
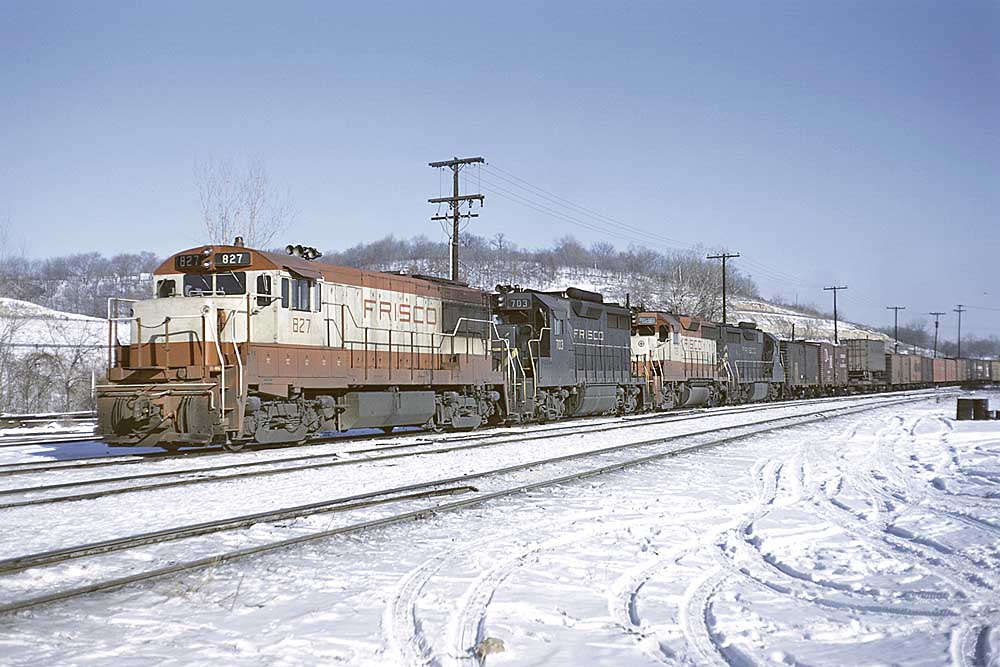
[241, 345]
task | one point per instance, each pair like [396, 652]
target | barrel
[980, 409]
[965, 410]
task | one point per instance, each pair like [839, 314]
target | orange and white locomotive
[240, 344]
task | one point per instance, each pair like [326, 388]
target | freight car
[866, 363]
[801, 361]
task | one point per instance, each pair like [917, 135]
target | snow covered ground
[30, 326]
[871, 539]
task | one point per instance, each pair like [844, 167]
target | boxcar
[980, 370]
[866, 361]
[995, 371]
[802, 367]
[964, 369]
[927, 370]
[832, 364]
[897, 369]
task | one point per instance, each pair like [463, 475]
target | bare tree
[10, 325]
[241, 201]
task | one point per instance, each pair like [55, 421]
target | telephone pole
[960, 310]
[455, 202]
[895, 326]
[836, 338]
[724, 256]
[937, 323]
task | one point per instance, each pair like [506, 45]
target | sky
[829, 143]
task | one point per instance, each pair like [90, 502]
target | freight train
[239, 345]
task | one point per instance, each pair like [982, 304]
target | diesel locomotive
[239, 345]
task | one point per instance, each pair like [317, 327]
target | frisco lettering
[584, 334]
[400, 312]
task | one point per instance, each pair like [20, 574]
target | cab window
[165, 288]
[664, 333]
[231, 283]
[301, 293]
[264, 289]
[197, 284]
[207, 284]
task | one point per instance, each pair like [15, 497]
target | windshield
[198, 284]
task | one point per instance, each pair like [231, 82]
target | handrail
[222, 375]
[239, 360]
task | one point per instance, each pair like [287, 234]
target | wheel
[387, 429]
[231, 446]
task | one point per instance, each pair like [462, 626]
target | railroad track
[310, 461]
[23, 420]
[70, 423]
[136, 458]
[592, 463]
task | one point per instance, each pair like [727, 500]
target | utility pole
[937, 318]
[960, 310]
[895, 326]
[836, 338]
[724, 256]
[455, 202]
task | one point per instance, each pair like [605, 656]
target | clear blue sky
[855, 143]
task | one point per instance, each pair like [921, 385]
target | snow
[778, 320]
[31, 326]
[870, 539]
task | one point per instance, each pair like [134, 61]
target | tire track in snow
[404, 635]
[749, 564]
[623, 594]
[466, 628]
[973, 646]
[695, 608]
[695, 622]
[930, 554]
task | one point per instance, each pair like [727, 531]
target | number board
[647, 319]
[187, 262]
[232, 259]
[519, 303]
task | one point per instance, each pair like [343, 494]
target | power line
[455, 202]
[895, 331]
[961, 309]
[937, 318]
[836, 338]
[530, 194]
[724, 256]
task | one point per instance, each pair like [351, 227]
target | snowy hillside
[28, 326]
[780, 319]
[769, 317]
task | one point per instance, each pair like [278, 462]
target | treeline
[54, 371]
[79, 283]
[683, 282]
